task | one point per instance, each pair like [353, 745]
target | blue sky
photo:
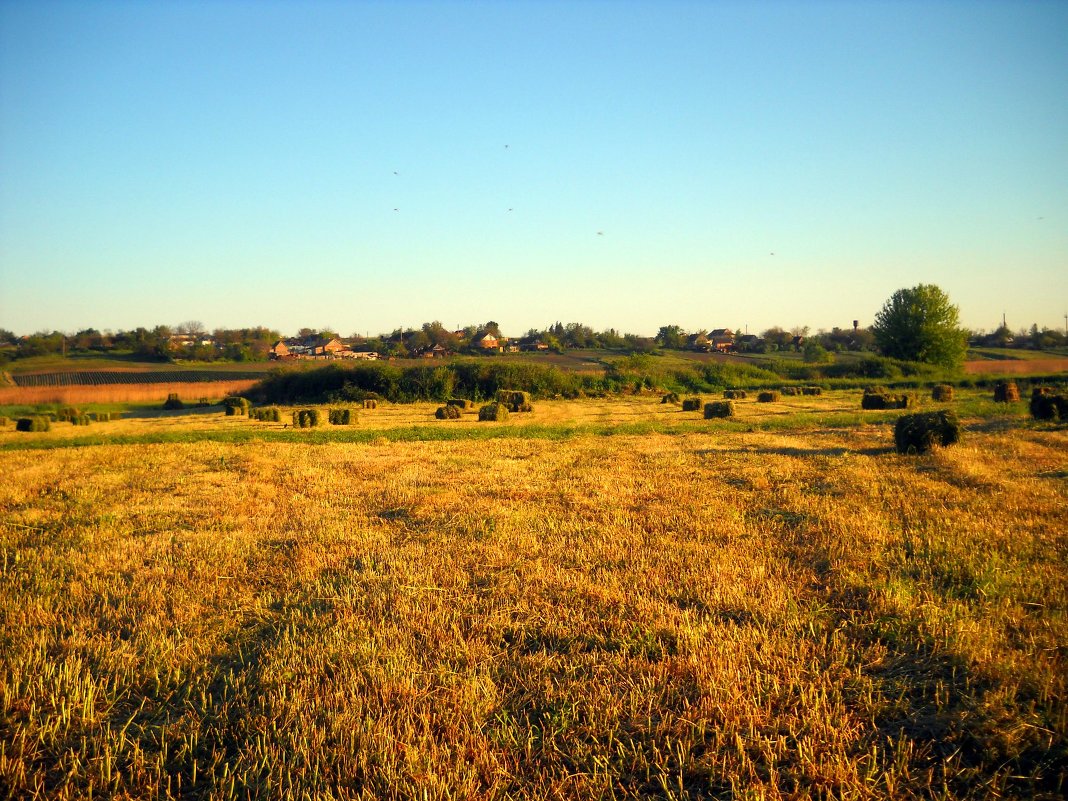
[368, 165]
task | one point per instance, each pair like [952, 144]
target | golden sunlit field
[605, 598]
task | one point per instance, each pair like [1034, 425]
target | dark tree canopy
[921, 325]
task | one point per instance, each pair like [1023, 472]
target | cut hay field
[603, 598]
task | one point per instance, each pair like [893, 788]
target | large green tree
[921, 325]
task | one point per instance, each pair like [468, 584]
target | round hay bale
[918, 433]
[691, 404]
[370, 403]
[943, 393]
[671, 397]
[448, 412]
[719, 409]
[463, 404]
[1006, 392]
[341, 417]
[493, 412]
[768, 396]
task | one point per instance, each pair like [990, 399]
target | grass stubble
[742, 612]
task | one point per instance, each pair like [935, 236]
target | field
[604, 598]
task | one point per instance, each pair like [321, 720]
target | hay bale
[463, 404]
[671, 397]
[719, 409]
[768, 396]
[790, 390]
[811, 390]
[1046, 404]
[67, 413]
[691, 404]
[203, 403]
[3, 421]
[80, 420]
[341, 417]
[1006, 392]
[36, 422]
[493, 411]
[370, 403]
[173, 402]
[918, 433]
[307, 418]
[448, 412]
[882, 398]
[943, 393]
[236, 405]
[516, 400]
[734, 394]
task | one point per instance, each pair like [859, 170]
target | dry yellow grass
[742, 613]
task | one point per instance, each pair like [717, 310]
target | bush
[1006, 392]
[493, 411]
[691, 404]
[35, 422]
[719, 409]
[918, 433]
[463, 404]
[942, 393]
[342, 417]
[173, 402]
[671, 397]
[734, 394]
[768, 396]
[448, 412]
[1047, 405]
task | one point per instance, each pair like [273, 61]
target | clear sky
[369, 165]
